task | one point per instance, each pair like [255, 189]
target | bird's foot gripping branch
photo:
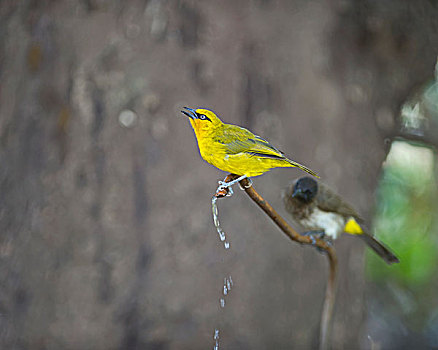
[224, 189]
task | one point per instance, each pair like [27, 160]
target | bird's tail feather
[302, 167]
[379, 248]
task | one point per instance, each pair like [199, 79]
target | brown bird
[325, 214]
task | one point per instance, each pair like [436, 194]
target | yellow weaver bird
[318, 209]
[235, 149]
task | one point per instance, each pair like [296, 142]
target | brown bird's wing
[329, 201]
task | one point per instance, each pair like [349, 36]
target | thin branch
[329, 302]
[327, 312]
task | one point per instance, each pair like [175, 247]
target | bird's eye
[202, 117]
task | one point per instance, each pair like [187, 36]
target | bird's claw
[223, 184]
[320, 234]
[223, 190]
[221, 193]
[243, 188]
[317, 234]
[230, 191]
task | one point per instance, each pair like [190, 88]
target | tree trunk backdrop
[106, 235]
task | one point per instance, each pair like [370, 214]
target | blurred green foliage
[406, 217]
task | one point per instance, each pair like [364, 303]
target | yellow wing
[240, 140]
[237, 141]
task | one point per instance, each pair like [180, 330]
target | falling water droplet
[222, 301]
[229, 283]
[216, 339]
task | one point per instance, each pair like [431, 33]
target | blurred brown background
[106, 235]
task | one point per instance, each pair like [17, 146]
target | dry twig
[330, 294]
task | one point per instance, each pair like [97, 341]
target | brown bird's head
[299, 197]
[304, 189]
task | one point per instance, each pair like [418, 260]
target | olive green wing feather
[239, 140]
[329, 201]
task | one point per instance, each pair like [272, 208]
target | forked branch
[327, 312]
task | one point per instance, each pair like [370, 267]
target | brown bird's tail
[379, 248]
[302, 167]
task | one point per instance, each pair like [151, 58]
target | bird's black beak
[296, 192]
[191, 113]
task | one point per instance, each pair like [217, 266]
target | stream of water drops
[219, 230]
[228, 281]
[226, 289]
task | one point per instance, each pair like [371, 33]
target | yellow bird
[234, 149]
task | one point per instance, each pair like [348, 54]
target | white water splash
[216, 339]
[219, 230]
[226, 288]
[229, 282]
